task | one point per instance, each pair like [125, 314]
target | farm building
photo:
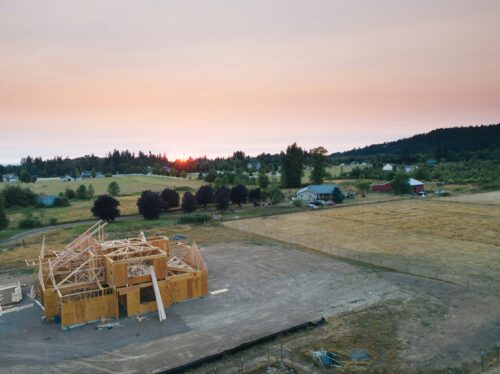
[92, 279]
[416, 186]
[316, 192]
[47, 200]
[388, 167]
[10, 178]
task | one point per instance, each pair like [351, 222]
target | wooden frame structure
[92, 279]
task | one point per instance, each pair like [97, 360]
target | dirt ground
[452, 241]
[406, 323]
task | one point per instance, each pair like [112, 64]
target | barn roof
[414, 182]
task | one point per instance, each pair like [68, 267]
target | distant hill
[455, 139]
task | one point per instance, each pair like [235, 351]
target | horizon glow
[199, 78]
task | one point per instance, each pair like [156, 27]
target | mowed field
[434, 238]
[129, 184]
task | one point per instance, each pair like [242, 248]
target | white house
[388, 167]
[10, 178]
[316, 192]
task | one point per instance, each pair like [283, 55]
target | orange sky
[211, 77]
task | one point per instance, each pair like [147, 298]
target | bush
[53, 221]
[255, 196]
[184, 188]
[337, 195]
[29, 221]
[61, 202]
[171, 198]
[70, 194]
[106, 208]
[81, 192]
[196, 219]
[4, 221]
[298, 203]
[274, 193]
[150, 204]
[189, 203]
[18, 196]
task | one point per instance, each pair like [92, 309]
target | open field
[406, 323]
[478, 198]
[129, 184]
[450, 241]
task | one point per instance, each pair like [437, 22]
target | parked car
[330, 203]
[319, 203]
[442, 193]
[349, 195]
[422, 193]
[312, 206]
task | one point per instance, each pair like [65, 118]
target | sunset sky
[210, 77]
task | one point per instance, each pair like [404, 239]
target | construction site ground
[405, 322]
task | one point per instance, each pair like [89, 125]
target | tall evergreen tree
[319, 161]
[292, 166]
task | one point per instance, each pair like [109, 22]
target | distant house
[253, 166]
[409, 168]
[416, 186]
[316, 192]
[10, 178]
[86, 174]
[388, 167]
[431, 162]
[47, 200]
[99, 174]
[67, 178]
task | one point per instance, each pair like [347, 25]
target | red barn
[416, 186]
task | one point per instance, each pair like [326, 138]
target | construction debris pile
[92, 279]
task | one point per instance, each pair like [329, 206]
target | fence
[281, 359]
[400, 263]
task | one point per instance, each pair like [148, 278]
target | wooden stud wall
[89, 309]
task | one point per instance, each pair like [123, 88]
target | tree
[400, 184]
[221, 198]
[69, 193]
[189, 203]
[211, 175]
[4, 221]
[319, 161]
[363, 186]
[221, 182]
[113, 188]
[263, 180]
[337, 195]
[239, 194]
[93, 172]
[274, 193]
[255, 195]
[171, 198]
[90, 191]
[17, 196]
[292, 167]
[106, 208]
[81, 192]
[150, 204]
[205, 195]
[24, 176]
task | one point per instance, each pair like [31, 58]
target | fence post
[281, 354]
[482, 360]
[268, 359]
[242, 365]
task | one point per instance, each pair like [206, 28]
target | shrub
[106, 208]
[69, 193]
[196, 219]
[29, 221]
[150, 204]
[4, 221]
[275, 195]
[61, 201]
[171, 198]
[53, 221]
[189, 203]
[255, 195]
[184, 188]
[337, 195]
[81, 192]
[298, 203]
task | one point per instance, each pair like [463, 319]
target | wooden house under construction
[92, 279]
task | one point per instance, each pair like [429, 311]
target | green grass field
[130, 188]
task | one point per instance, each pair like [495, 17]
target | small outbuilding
[416, 186]
[47, 200]
[388, 167]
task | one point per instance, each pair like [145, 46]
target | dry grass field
[434, 238]
[478, 198]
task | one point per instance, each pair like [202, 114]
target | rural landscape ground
[412, 282]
